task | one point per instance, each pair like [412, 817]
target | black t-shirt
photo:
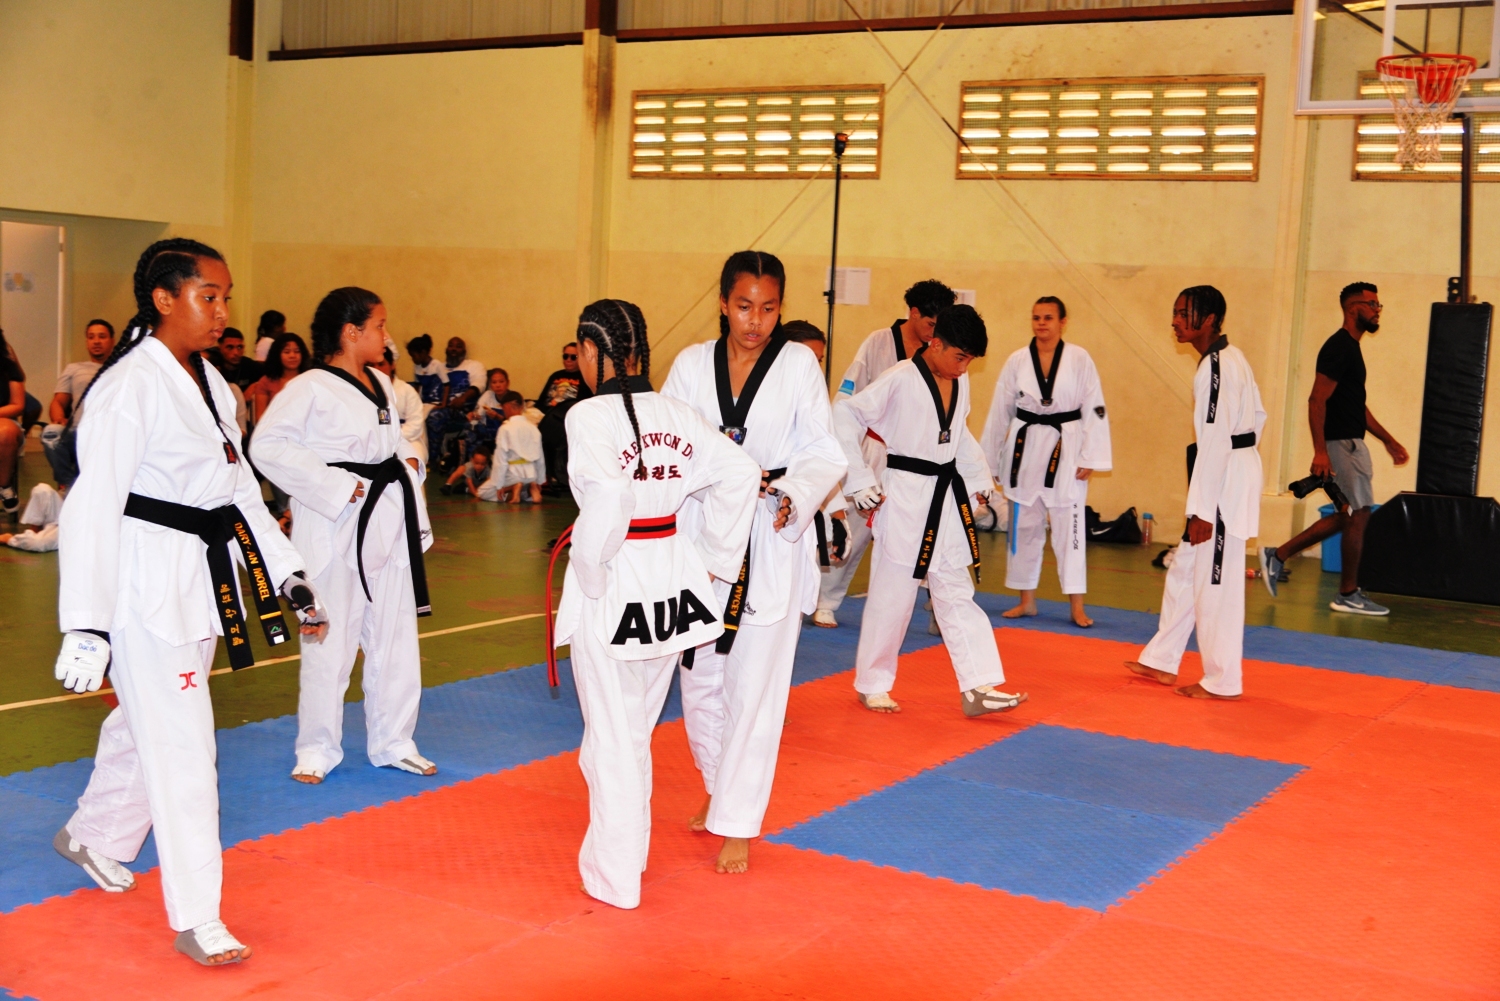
[9, 372]
[1341, 360]
[563, 389]
[243, 374]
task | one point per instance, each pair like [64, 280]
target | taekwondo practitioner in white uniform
[637, 590]
[517, 462]
[1205, 587]
[147, 583]
[924, 526]
[331, 439]
[881, 350]
[766, 394]
[39, 521]
[408, 405]
[1046, 434]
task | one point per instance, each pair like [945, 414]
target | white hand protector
[774, 499]
[82, 661]
[866, 498]
[298, 590]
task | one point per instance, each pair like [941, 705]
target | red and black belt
[641, 529]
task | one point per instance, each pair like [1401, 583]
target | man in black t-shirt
[231, 362]
[564, 388]
[1339, 418]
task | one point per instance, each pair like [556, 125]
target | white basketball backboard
[1341, 40]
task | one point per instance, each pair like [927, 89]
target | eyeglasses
[1373, 305]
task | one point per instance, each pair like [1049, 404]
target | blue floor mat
[1057, 814]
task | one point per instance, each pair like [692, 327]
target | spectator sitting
[469, 476]
[12, 407]
[485, 421]
[408, 406]
[449, 420]
[518, 457]
[429, 378]
[99, 338]
[288, 359]
[231, 362]
[272, 325]
[38, 522]
[564, 388]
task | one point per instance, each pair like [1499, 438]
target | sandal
[210, 944]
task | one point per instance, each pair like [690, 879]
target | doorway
[31, 304]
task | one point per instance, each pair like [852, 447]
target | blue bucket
[1333, 546]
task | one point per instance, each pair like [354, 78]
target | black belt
[948, 478]
[1246, 440]
[382, 475]
[840, 536]
[1055, 421]
[217, 527]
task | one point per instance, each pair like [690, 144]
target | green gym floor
[488, 566]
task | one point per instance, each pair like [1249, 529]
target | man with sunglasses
[564, 388]
[1339, 418]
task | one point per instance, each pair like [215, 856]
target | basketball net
[1423, 89]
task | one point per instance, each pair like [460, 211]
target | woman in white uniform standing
[637, 591]
[1046, 434]
[332, 440]
[147, 582]
[767, 395]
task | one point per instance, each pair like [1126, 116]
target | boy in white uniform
[518, 456]
[1205, 586]
[38, 522]
[637, 590]
[767, 394]
[881, 350]
[923, 524]
[1046, 434]
[408, 404]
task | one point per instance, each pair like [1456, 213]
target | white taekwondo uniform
[1205, 586]
[637, 593]
[148, 434]
[518, 458]
[734, 702]
[43, 508]
[324, 417]
[879, 352]
[1039, 474]
[901, 407]
[413, 415]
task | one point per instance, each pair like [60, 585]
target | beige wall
[449, 183]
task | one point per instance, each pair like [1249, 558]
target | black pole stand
[840, 143]
[1466, 209]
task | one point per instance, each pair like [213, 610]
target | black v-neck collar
[736, 411]
[377, 397]
[638, 384]
[1045, 383]
[900, 341]
[945, 420]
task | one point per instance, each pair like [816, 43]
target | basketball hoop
[1423, 89]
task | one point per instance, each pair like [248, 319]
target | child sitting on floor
[518, 457]
[38, 522]
[469, 476]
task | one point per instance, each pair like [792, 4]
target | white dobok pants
[386, 629]
[1191, 598]
[1028, 534]
[621, 702]
[834, 585]
[967, 632]
[734, 706]
[156, 767]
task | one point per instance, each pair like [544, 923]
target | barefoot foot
[734, 857]
[1161, 677]
[1024, 609]
[1199, 692]
[1080, 617]
[698, 822]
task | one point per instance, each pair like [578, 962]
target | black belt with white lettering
[734, 609]
[217, 528]
[1236, 441]
[382, 475]
[840, 536]
[948, 479]
[1055, 421]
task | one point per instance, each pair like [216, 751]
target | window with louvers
[1204, 128]
[755, 133]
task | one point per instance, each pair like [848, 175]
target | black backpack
[1124, 529]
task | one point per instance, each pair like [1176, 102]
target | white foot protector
[988, 699]
[824, 617]
[308, 775]
[416, 764]
[111, 876]
[210, 944]
[880, 702]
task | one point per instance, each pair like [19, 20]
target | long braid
[165, 264]
[208, 395]
[618, 329]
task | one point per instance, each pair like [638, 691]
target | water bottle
[1146, 522]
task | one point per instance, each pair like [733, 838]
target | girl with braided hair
[766, 394]
[162, 498]
[637, 591]
[332, 440]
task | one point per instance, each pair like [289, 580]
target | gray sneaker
[1270, 568]
[1357, 603]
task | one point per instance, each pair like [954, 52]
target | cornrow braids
[756, 264]
[1205, 300]
[165, 264]
[618, 330]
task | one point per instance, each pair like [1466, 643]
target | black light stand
[840, 143]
